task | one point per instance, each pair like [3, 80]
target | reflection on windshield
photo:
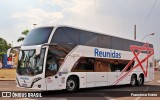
[29, 64]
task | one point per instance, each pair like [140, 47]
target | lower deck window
[87, 64]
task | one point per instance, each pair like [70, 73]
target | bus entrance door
[52, 82]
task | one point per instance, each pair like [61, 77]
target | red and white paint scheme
[72, 58]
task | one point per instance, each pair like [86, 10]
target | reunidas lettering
[111, 54]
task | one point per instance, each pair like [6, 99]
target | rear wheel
[133, 80]
[72, 84]
[140, 80]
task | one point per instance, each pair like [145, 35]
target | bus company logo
[6, 94]
[24, 78]
[106, 54]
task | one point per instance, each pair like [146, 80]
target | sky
[115, 17]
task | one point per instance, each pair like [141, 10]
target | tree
[24, 33]
[4, 46]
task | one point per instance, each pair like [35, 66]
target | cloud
[60, 3]
[89, 14]
[106, 16]
[98, 15]
[38, 16]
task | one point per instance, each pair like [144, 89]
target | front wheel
[72, 84]
[133, 80]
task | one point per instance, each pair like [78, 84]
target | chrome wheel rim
[70, 84]
[140, 80]
[133, 81]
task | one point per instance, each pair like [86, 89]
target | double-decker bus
[64, 57]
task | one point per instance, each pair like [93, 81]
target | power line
[148, 16]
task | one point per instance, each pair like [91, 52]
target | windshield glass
[29, 64]
[37, 36]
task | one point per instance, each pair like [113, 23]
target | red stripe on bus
[140, 49]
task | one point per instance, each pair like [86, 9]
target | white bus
[63, 57]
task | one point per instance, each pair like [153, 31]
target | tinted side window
[110, 65]
[102, 65]
[117, 43]
[66, 35]
[88, 38]
[128, 43]
[84, 65]
[131, 66]
[104, 41]
[119, 65]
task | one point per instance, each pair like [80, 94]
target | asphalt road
[122, 92]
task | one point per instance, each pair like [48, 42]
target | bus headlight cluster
[37, 79]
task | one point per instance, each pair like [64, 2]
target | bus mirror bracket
[38, 50]
[10, 49]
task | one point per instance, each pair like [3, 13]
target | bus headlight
[37, 79]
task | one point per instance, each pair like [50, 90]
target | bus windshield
[37, 36]
[29, 64]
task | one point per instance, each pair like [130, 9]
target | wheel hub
[71, 84]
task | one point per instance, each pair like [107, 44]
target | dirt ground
[7, 74]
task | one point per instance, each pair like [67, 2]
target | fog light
[39, 86]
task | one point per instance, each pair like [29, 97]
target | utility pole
[134, 32]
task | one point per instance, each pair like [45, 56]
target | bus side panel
[112, 77]
[82, 79]
[96, 79]
[150, 74]
[124, 80]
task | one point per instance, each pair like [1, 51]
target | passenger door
[52, 82]
[52, 79]
[52, 67]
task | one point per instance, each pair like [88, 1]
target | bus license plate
[24, 85]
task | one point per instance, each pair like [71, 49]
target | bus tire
[133, 80]
[140, 80]
[72, 84]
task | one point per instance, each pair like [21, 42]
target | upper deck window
[37, 36]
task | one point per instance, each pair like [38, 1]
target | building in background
[157, 64]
